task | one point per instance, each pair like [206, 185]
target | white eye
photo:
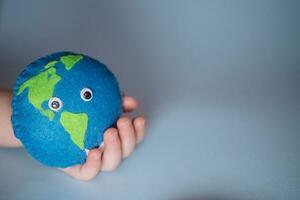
[86, 94]
[55, 104]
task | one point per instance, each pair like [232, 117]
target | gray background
[218, 81]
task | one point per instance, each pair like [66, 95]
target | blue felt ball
[62, 104]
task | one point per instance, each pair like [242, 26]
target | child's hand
[118, 143]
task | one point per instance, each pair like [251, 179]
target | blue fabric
[46, 140]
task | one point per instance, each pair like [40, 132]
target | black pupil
[87, 95]
[55, 104]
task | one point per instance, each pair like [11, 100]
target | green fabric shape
[40, 89]
[75, 124]
[50, 64]
[70, 60]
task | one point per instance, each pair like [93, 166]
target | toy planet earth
[62, 104]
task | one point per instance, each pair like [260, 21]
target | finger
[112, 150]
[127, 136]
[89, 169]
[129, 103]
[139, 124]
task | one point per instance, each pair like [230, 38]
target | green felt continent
[70, 60]
[75, 124]
[41, 88]
[50, 64]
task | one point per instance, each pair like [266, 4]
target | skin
[118, 144]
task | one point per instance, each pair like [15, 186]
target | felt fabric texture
[60, 137]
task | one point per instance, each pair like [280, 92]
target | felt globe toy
[62, 104]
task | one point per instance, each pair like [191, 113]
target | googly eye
[55, 104]
[86, 94]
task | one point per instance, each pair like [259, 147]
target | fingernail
[87, 151]
[101, 145]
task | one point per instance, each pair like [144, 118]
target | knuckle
[112, 137]
[123, 121]
[110, 131]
